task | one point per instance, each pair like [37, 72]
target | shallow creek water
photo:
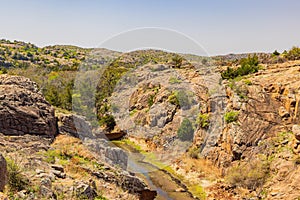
[157, 179]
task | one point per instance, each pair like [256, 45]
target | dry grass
[198, 174]
[74, 156]
[71, 147]
[204, 168]
[250, 175]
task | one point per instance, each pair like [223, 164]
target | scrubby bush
[194, 152]
[173, 99]
[177, 61]
[231, 116]
[249, 65]
[183, 99]
[293, 54]
[249, 175]
[58, 90]
[180, 98]
[203, 120]
[186, 130]
[16, 180]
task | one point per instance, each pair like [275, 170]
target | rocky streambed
[164, 183]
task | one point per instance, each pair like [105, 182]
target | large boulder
[3, 173]
[74, 125]
[112, 155]
[23, 109]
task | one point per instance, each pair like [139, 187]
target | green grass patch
[131, 113]
[53, 155]
[248, 82]
[174, 80]
[198, 191]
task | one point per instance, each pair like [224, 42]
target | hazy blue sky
[220, 26]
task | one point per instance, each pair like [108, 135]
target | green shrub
[58, 89]
[203, 120]
[186, 130]
[173, 99]
[248, 66]
[293, 54]
[231, 116]
[242, 91]
[183, 99]
[284, 53]
[131, 113]
[194, 152]
[3, 70]
[50, 156]
[16, 180]
[180, 98]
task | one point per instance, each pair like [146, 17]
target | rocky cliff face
[267, 104]
[266, 129]
[23, 110]
[258, 119]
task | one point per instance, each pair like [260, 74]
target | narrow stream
[142, 172]
[156, 179]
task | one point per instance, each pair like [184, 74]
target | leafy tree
[108, 121]
[186, 130]
[58, 90]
